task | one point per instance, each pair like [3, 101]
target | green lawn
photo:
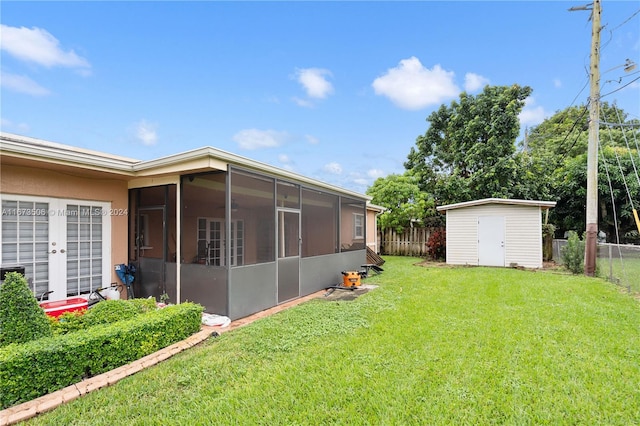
[438, 345]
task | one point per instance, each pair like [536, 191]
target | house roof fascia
[50, 152]
[531, 203]
[375, 207]
[240, 162]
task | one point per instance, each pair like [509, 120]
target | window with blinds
[25, 240]
[84, 248]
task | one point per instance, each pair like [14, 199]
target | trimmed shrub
[68, 322]
[109, 311]
[36, 368]
[21, 318]
[144, 305]
[104, 312]
[437, 245]
[572, 253]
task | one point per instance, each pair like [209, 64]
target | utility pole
[591, 240]
[592, 151]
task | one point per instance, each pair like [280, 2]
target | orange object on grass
[350, 279]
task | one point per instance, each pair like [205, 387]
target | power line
[584, 110]
[620, 124]
[621, 87]
[627, 20]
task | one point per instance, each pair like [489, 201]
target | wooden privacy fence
[411, 242]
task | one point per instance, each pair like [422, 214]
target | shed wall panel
[524, 236]
[462, 237]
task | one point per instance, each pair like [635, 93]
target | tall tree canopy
[404, 202]
[468, 151]
[565, 134]
[561, 142]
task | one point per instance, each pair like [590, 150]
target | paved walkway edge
[29, 409]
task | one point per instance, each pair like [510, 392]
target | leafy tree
[615, 165]
[21, 318]
[404, 202]
[468, 151]
[565, 134]
[560, 143]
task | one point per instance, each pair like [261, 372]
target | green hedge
[37, 368]
[21, 318]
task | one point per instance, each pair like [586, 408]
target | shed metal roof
[530, 203]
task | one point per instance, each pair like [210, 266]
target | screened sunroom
[241, 240]
[235, 235]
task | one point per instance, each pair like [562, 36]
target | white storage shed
[495, 232]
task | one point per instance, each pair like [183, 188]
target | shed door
[491, 240]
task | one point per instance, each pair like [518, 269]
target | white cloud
[284, 158]
[286, 162]
[333, 168]
[22, 84]
[146, 132]
[302, 102]
[39, 46]
[557, 83]
[255, 139]
[412, 86]
[312, 140]
[314, 81]
[375, 173]
[6, 124]
[532, 114]
[474, 82]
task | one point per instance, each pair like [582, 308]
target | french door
[211, 242]
[63, 244]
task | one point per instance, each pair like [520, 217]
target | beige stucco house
[235, 235]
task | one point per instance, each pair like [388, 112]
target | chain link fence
[618, 263]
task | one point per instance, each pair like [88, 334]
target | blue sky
[337, 91]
